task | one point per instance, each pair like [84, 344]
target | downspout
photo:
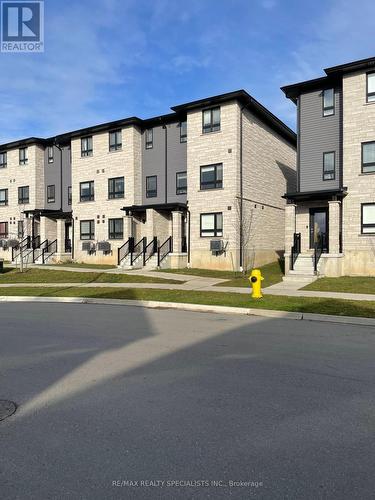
[241, 191]
[61, 176]
[188, 247]
[166, 162]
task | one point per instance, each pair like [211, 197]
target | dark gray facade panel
[318, 134]
[153, 163]
[52, 176]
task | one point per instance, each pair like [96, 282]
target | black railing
[49, 250]
[137, 251]
[22, 246]
[319, 247]
[125, 250]
[184, 244]
[37, 252]
[150, 250]
[164, 250]
[35, 242]
[296, 249]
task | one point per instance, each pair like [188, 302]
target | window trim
[6, 201]
[334, 165]
[183, 138]
[25, 160]
[209, 130]
[177, 174]
[5, 155]
[215, 165]
[20, 234]
[112, 236]
[371, 94]
[370, 225]
[372, 164]
[92, 191]
[5, 236]
[215, 230]
[112, 194]
[156, 189]
[86, 153]
[149, 144]
[22, 201]
[117, 146]
[324, 108]
[51, 199]
[50, 158]
[91, 234]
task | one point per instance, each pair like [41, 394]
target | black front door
[319, 227]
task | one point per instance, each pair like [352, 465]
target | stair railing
[125, 250]
[150, 250]
[137, 250]
[37, 252]
[164, 250]
[296, 249]
[319, 248]
[49, 250]
[23, 245]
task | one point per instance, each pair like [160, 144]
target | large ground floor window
[212, 224]
[368, 218]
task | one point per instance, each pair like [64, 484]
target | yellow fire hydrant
[256, 279]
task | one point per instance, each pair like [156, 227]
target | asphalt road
[122, 402]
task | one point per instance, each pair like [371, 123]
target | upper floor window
[151, 186]
[329, 166]
[51, 193]
[50, 154]
[212, 176]
[86, 146]
[115, 140]
[3, 160]
[20, 229]
[23, 158]
[69, 195]
[371, 87]
[183, 131]
[86, 191]
[3, 197]
[23, 195]
[3, 230]
[87, 229]
[181, 183]
[115, 229]
[212, 224]
[368, 157]
[368, 218]
[116, 188]
[328, 102]
[149, 138]
[211, 120]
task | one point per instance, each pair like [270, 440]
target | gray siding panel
[318, 135]
[52, 176]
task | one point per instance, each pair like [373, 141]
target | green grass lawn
[281, 303]
[349, 284]
[37, 275]
[273, 273]
[83, 266]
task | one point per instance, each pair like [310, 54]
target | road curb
[152, 304]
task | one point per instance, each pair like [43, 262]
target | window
[69, 195]
[50, 154]
[183, 131]
[151, 186]
[149, 138]
[87, 230]
[20, 230]
[86, 146]
[3, 230]
[115, 140]
[368, 157]
[328, 102]
[371, 87]
[115, 229]
[116, 188]
[329, 166]
[3, 160]
[86, 190]
[212, 224]
[211, 120]
[51, 194]
[181, 183]
[368, 218]
[23, 159]
[212, 176]
[3, 197]
[23, 195]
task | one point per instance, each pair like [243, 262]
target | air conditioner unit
[104, 246]
[88, 246]
[4, 244]
[217, 246]
[13, 243]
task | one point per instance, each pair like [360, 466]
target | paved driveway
[114, 401]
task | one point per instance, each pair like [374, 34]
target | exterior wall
[269, 170]
[358, 127]
[100, 167]
[153, 163]
[53, 176]
[318, 135]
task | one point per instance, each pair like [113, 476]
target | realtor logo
[22, 26]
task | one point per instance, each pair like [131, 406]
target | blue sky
[109, 59]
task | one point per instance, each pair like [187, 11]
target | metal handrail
[23, 244]
[296, 249]
[137, 250]
[164, 250]
[53, 244]
[319, 247]
[40, 247]
[150, 250]
[125, 250]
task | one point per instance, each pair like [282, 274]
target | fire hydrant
[256, 279]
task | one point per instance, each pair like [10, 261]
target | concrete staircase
[303, 271]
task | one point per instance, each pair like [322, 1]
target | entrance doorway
[319, 228]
